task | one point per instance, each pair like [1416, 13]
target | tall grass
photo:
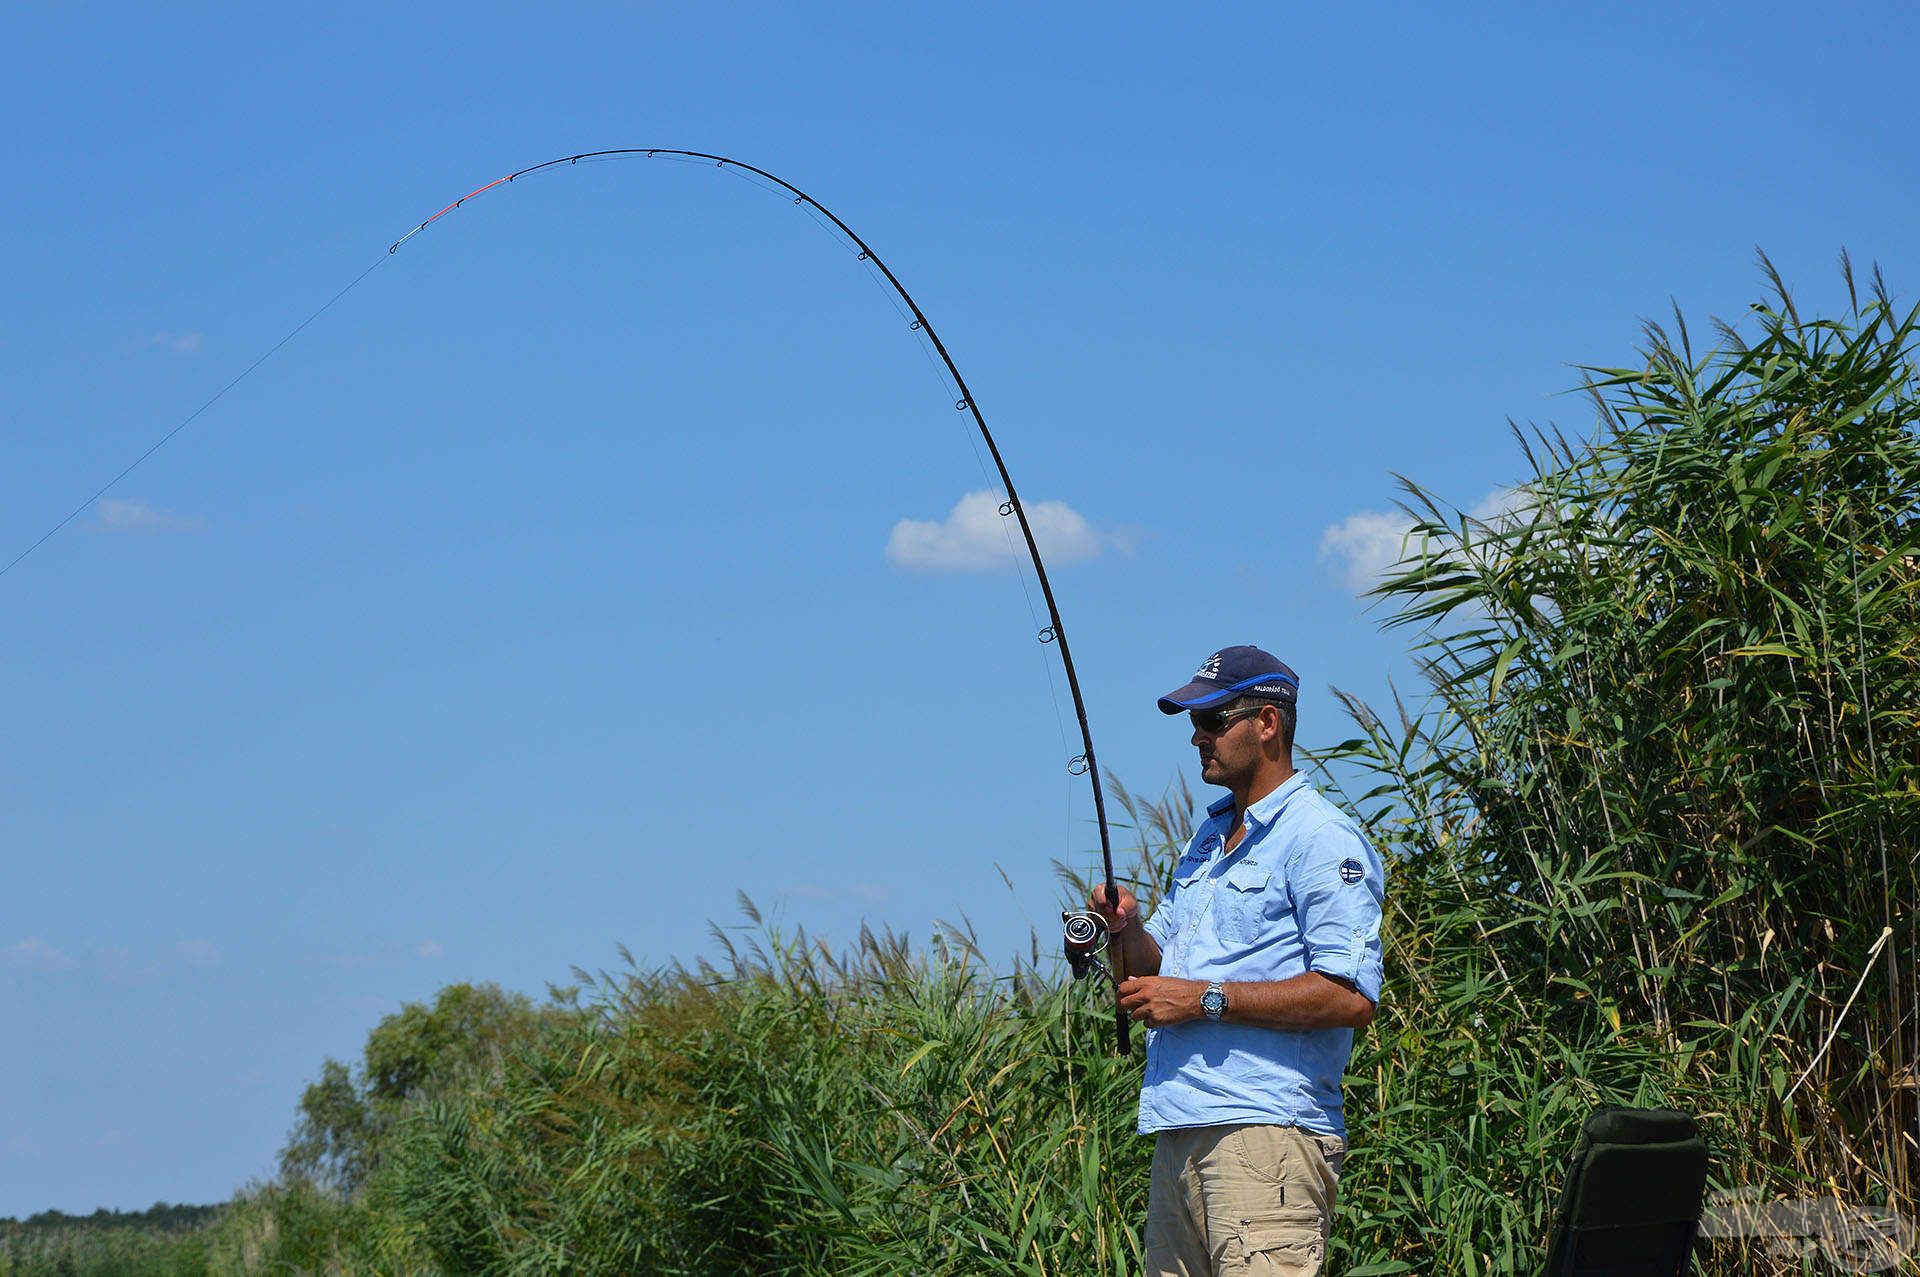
[1660, 816]
[126, 1251]
[795, 1111]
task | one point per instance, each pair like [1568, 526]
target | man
[1251, 976]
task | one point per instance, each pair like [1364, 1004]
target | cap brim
[1273, 686]
[1195, 696]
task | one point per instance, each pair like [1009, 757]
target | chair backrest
[1631, 1202]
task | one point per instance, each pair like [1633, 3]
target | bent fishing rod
[1084, 933]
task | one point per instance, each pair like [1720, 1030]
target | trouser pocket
[1287, 1250]
[1303, 1168]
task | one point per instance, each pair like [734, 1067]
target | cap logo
[1211, 670]
[1351, 871]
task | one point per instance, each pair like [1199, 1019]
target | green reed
[1661, 809]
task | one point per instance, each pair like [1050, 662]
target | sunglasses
[1215, 721]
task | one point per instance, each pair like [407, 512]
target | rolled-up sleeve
[1338, 885]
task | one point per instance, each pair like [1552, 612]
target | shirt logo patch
[1351, 871]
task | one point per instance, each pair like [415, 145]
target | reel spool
[1084, 936]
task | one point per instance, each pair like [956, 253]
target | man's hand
[1119, 916]
[1138, 951]
[1157, 1001]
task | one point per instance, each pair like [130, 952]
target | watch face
[1213, 1002]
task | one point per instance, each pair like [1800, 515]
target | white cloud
[976, 537]
[35, 954]
[188, 343]
[1364, 546]
[1499, 504]
[137, 518]
[430, 949]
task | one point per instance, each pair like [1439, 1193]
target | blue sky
[539, 597]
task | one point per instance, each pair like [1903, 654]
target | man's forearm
[1308, 1001]
[1139, 951]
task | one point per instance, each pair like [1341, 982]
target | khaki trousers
[1241, 1199]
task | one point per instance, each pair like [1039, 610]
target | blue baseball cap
[1231, 672]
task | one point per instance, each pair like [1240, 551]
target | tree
[421, 1051]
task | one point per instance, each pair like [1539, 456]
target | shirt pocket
[1186, 876]
[1241, 902]
[1170, 916]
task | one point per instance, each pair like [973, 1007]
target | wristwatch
[1214, 1001]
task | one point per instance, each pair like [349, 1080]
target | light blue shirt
[1302, 891]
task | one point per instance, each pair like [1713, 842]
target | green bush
[798, 1112]
[165, 1241]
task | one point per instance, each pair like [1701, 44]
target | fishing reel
[1085, 936]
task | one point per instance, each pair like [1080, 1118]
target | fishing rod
[1076, 939]
[1079, 945]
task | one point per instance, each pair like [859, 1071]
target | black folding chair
[1631, 1203]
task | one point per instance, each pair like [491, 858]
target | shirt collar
[1264, 811]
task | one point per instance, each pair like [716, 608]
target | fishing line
[193, 416]
[1052, 633]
